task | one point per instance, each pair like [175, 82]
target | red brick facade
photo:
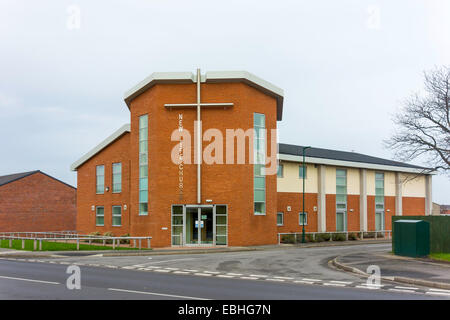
[37, 202]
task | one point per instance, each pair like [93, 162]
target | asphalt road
[31, 280]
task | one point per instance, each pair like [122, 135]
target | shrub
[125, 241]
[323, 237]
[95, 234]
[108, 234]
[310, 238]
[287, 238]
[338, 237]
[352, 236]
[380, 235]
[369, 235]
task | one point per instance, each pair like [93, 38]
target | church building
[199, 165]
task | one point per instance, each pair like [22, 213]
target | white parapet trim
[117, 134]
[352, 164]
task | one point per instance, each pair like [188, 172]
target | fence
[66, 236]
[368, 234]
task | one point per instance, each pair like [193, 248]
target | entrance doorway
[199, 225]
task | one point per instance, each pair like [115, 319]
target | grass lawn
[440, 256]
[60, 246]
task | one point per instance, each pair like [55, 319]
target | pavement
[400, 269]
[286, 265]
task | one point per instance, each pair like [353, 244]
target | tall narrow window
[379, 201]
[341, 200]
[117, 177]
[116, 216]
[301, 174]
[280, 170]
[259, 153]
[143, 165]
[100, 181]
[280, 218]
[303, 217]
[100, 216]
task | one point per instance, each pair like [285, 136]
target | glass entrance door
[340, 221]
[196, 225]
[206, 225]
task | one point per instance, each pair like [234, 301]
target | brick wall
[117, 152]
[291, 218]
[37, 203]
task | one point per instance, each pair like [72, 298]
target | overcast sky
[345, 67]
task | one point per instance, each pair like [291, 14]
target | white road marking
[212, 272]
[272, 279]
[258, 275]
[172, 268]
[235, 274]
[406, 288]
[168, 261]
[158, 294]
[30, 280]
[439, 290]
[129, 267]
[371, 285]
[401, 290]
[203, 274]
[342, 282]
[160, 270]
[225, 276]
[334, 284]
[438, 293]
[302, 281]
[368, 287]
[181, 272]
[249, 278]
[307, 279]
[285, 278]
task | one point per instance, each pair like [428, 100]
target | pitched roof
[211, 77]
[17, 176]
[116, 135]
[347, 157]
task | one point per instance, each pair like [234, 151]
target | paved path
[293, 266]
[392, 265]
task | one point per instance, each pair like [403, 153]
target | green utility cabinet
[411, 238]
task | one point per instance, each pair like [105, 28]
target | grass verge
[440, 256]
[59, 246]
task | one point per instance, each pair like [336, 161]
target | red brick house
[35, 201]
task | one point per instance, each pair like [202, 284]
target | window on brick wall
[259, 153]
[143, 165]
[116, 216]
[117, 177]
[280, 218]
[100, 216]
[100, 180]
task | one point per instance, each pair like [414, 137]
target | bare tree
[423, 124]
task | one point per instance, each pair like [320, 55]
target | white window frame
[96, 179]
[300, 168]
[115, 215]
[306, 218]
[113, 184]
[282, 218]
[97, 215]
[280, 165]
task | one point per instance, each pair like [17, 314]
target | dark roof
[341, 155]
[17, 176]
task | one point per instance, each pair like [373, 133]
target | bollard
[23, 244]
[140, 244]
[40, 245]
[34, 244]
[134, 242]
[10, 243]
[78, 244]
[148, 243]
[346, 236]
[114, 244]
[104, 242]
